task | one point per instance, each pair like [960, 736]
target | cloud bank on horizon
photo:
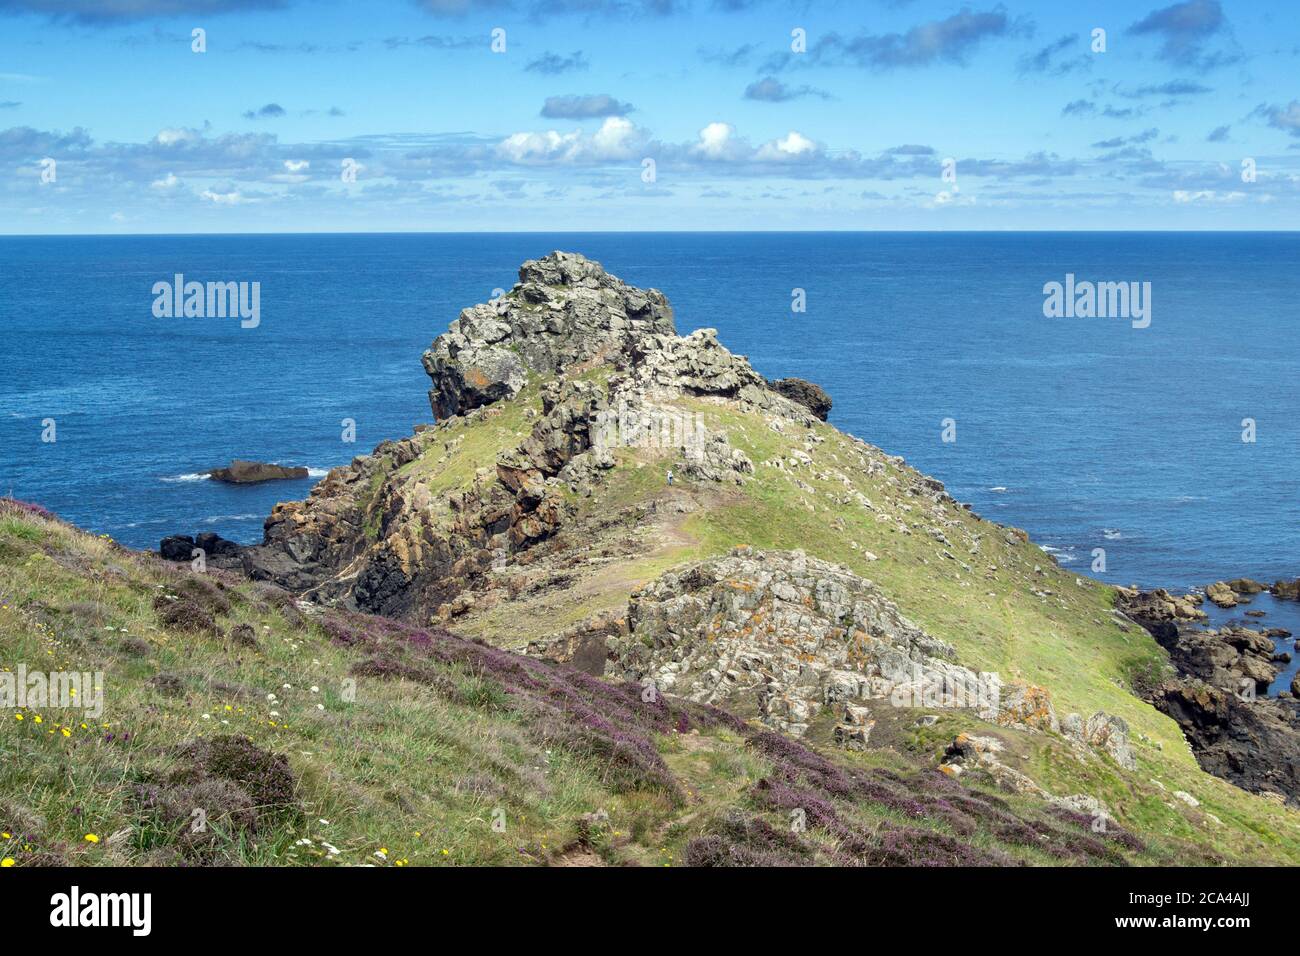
[308, 115]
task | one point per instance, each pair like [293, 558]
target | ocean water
[1087, 432]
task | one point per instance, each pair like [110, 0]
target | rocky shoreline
[1216, 696]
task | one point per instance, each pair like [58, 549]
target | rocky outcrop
[810, 396]
[243, 472]
[1217, 701]
[782, 636]
[564, 310]
[1221, 594]
[1286, 590]
[1235, 659]
[216, 550]
[374, 536]
[1158, 611]
[1255, 744]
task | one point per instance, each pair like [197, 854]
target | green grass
[413, 773]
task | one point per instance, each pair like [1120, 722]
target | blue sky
[558, 130]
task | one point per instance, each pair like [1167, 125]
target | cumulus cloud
[24, 143]
[1114, 143]
[1183, 197]
[230, 196]
[792, 147]
[617, 139]
[584, 107]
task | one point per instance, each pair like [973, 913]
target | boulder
[177, 547]
[1247, 586]
[243, 472]
[1221, 594]
[785, 636]
[1109, 733]
[810, 396]
[1286, 590]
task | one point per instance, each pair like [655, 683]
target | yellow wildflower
[91, 838]
[7, 862]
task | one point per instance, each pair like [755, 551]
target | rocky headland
[536, 513]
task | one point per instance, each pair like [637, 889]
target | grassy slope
[408, 773]
[1067, 642]
[406, 759]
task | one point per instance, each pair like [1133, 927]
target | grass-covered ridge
[327, 738]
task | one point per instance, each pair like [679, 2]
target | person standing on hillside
[670, 477]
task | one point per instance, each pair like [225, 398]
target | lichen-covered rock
[780, 635]
[564, 310]
[1109, 733]
[1027, 705]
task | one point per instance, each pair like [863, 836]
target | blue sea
[1087, 432]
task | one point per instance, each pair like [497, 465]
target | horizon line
[637, 232]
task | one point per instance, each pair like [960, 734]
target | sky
[634, 115]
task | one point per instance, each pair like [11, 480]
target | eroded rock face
[781, 636]
[810, 396]
[1234, 732]
[1255, 744]
[564, 310]
[373, 536]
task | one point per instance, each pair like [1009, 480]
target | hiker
[670, 477]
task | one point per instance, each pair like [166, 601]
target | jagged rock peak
[565, 309]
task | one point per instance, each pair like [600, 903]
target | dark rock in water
[243, 472]
[1235, 733]
[177, 547]
[1247, 586]
[810, 396]
[1287, 590]
[1254, 614]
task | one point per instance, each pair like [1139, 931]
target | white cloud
[177, 136]
[1184, 197]
[790, 147]
[167, 182]
[617, 139]
[232, 198]
[719, 141]
[549, 146]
